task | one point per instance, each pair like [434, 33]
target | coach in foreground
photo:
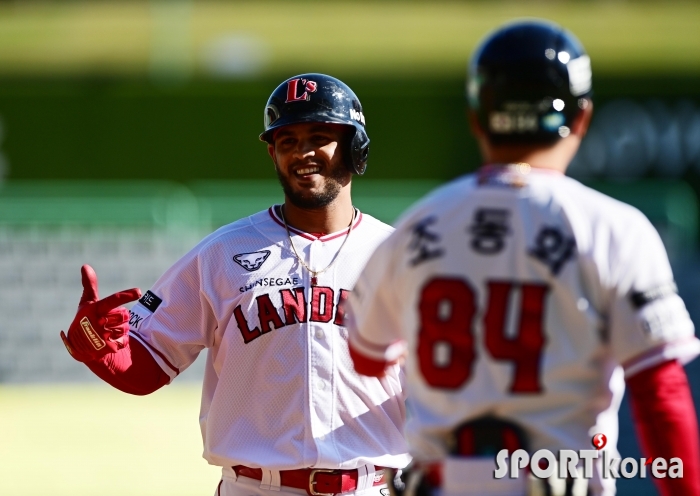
[525, 301]
[283, 411]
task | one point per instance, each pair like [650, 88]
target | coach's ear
[480, 135]
[580, 125]
[476, 128]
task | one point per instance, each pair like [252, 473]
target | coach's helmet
[528, 81]
[319, 98]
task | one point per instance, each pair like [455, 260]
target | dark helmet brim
[268, 135]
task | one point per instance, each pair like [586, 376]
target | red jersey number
[446, 339]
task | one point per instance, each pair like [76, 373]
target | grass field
[87, 440]
[344, 37]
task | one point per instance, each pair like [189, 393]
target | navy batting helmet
[319, 98]
[528, 81]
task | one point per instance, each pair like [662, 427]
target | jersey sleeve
[374, 319]
[174, 319]
[648, 322]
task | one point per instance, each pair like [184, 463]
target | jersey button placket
[321, 394]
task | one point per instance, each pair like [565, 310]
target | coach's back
[526, 289]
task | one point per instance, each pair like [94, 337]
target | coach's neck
[556, 156]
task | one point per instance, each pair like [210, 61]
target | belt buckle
[312, 482]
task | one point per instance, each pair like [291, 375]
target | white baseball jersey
[280, 391]
[521, 294]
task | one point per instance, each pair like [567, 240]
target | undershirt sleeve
[131, 369]
[666, 423]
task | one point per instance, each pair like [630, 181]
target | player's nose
[304, 148]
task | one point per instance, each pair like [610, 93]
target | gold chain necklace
[315, 273]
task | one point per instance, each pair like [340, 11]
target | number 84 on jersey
[446, 338]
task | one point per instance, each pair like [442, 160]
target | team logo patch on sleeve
[251, 261]
[643, 298]
[150, 301]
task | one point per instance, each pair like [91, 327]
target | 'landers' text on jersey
[277, 353]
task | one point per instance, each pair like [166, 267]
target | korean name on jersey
[280, 390]
[522, 295]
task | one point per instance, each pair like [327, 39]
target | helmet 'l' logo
[293, 90]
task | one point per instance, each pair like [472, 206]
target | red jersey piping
[311, 237]
[373, 346]
[653, 351]
[148, 346]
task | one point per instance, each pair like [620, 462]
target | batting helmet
[528, 81]
[319, 98]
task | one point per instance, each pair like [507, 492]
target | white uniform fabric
[280, 391]
[521, 294]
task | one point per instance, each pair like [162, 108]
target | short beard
[334, 183]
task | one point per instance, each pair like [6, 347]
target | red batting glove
[101, 326]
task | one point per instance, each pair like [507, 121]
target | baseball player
[283, 411]
[525, 301]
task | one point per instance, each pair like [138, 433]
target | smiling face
[309, 163]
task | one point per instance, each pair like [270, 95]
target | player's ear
[580, 125]
[271, 152]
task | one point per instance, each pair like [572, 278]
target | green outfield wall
[138, 129]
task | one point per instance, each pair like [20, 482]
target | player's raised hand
[100, 326]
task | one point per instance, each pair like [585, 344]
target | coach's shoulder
[601, 204]
[586, 206]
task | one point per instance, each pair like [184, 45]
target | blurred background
[128, 130]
